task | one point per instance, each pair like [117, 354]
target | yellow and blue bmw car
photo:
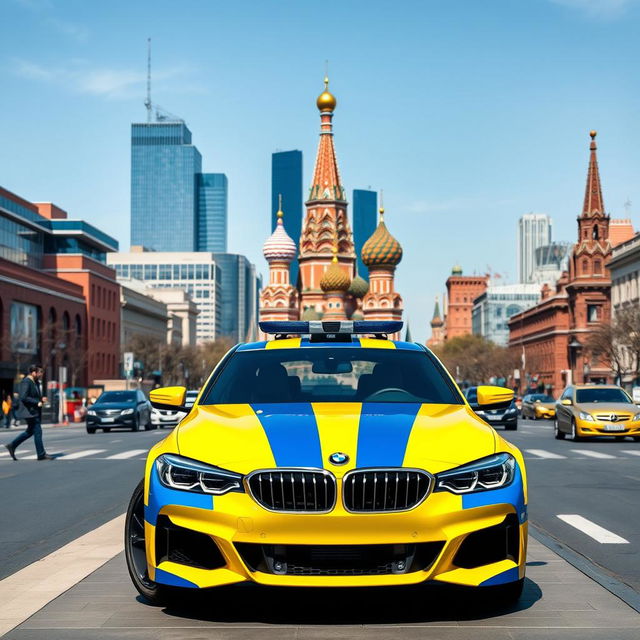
[329, 456]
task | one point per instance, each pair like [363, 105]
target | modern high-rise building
[164, 164]
[212, 198]
[534, 230]
[240, 287]
[365, 211]
[286, 181]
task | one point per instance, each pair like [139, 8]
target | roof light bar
[294, 327]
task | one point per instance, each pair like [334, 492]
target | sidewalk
[559, 602]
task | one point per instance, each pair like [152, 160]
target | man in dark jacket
[30, 409]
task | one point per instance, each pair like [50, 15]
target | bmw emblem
[338, 458]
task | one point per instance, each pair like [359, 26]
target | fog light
[401, 565]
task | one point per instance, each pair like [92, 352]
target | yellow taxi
[538, 406]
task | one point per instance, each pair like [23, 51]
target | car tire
[135, 553]
[148, 426]
[559, 435]
[574, 435]
[91, 430]
[636, 438]
[136, 424]
[511, 427]
[107, 430]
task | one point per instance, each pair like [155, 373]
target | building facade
[141, 314]
[286, 191]
[195, 272]
[550, 261]
[212, 204]
[534, 230]
[365, 207]
[494, 306]
[183, 314]
[461, 292]
[437, 327]
[552, 337]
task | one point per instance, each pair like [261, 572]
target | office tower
[364, 222]
[286, 180]
[164, 164]
[212, 197]
[534, 230]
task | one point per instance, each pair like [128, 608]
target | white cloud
[603, 9]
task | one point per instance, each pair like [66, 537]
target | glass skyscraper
[164, 165]
[212, 212]
[286, 180]
[365, 205]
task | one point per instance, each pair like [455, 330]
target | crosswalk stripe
[631, 453]
[593, 530]
[126, 454]
[541, 453]
[82, 454]
[593, 454]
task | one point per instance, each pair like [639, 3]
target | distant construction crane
[162, 115]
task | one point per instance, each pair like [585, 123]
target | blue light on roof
[327, 327]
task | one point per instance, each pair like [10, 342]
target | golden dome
[335, 278]
[381, 249]
[326, 100]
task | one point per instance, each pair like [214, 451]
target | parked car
[129, 409]
[170, 418]
[505, 416]
[538, 406]
[603, 410]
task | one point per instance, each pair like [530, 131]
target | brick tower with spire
[326, 222]
[437, 327]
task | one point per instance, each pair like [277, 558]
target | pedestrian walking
[6, 409]
[30, 408]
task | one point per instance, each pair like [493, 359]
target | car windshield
[541, 397]
[601, 395]
[472, 395]
[326, 374]
[117, 396]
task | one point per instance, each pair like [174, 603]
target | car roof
[596, 386]
[305, 342]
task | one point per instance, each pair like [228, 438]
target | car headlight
[586, 416]
[511, 410]
[127, 412]
[636, 417]
[177, 472]
[493, 472]
[91, 412]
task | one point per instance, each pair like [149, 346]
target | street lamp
[575, 347]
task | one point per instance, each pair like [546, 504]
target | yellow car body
[545, 411]
[473, 539]
[538, 406]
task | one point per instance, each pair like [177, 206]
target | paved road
[597, 480]
[45, 504]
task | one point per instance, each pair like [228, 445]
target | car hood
[607, 407]
[113, 405]
[244, 438]
[545, 405]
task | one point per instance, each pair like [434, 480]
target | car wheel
[574, 431]
[511, 426]
[136, 424]
[148, 426]
[91, 429]
[556, 430]
[135, 552]
[636, 438]
[107, 430]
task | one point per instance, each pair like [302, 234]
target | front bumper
[116, 421]
[545, 414]
[241, 542]
[599, 428]
[501, 420]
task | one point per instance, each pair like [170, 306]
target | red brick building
[461, 292]
[551, 337]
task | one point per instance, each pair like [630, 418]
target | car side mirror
[490, 397]
[169, 398]
[567, 402]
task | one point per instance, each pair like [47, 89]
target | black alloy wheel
[136, 423]
[91, 429]
[135, 551]
[559, 435]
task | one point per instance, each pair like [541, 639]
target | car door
[143, 412]
[563, 411]
[526, 406]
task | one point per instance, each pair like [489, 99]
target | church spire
[593, 202]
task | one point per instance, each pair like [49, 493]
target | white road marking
[593, 530]
[31, 588]
[82, 454]
[631, 453]
[541, 453]
[126, 454]
[593, 454]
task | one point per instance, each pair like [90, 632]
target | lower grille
[500, 542]
[294, 490]
[339, 560]
[380, 490]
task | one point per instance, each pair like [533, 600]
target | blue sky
[467, 113]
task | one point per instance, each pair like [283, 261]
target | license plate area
[613, 427]
[107, 419]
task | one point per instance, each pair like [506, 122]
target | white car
[167, 418]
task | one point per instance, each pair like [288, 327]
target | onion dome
[381, 249]
[457, 270]
[335, 278]
[279, 247]
[359, 287]
[357, 315]
[326, 100]
[311, 314]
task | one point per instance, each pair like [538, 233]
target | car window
[601, 395]
[472, 394]
[543, 397]
[327, 374]
[117, 396]
[568, 392]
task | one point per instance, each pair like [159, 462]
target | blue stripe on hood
[292, 432]
[384, 432]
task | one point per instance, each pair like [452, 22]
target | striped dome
[381, 249]
[280, 246]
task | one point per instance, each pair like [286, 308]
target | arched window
[597, 266]
[585, 266]
[66, 324]
[51, 322]
[595, 232]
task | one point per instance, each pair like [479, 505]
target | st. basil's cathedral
[330, 288]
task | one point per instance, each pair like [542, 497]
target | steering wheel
[388, 390]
